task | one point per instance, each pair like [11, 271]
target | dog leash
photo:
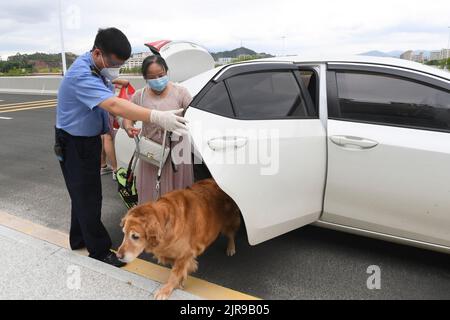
[161, 164]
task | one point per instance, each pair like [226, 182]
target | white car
[362, 145]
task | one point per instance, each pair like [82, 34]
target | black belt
[65, 133]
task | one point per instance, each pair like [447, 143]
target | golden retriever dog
[178, 228]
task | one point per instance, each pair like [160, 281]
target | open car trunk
[184, 59]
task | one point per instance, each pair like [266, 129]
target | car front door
[389, 152]
[260, 136]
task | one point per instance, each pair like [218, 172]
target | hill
[393, 54]
[236, 53]
[375, 53]
[38, 62]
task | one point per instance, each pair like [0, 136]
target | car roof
[393, 62]
[196, 83]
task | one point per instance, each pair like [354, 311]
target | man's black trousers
[80, 166]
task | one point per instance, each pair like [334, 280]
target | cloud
[27, 12]
[341, 27]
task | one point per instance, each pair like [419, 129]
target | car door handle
[348, 141]
[223, 143]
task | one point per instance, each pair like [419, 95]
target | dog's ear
[153, 230]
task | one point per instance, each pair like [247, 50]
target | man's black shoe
[77, 247]
[77, 244]
[113, 260]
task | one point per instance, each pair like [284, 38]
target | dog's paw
[163, 293]
[231, 252]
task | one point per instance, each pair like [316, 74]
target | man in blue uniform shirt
[85, 97]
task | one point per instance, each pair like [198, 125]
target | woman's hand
[132, 132]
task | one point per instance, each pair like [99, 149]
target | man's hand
[169, 120]
[121, 82]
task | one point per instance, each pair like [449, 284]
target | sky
[278, 27]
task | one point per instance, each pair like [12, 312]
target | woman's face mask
[158, 84]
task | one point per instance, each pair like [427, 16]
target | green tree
[440, 63]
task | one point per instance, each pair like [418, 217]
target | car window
[217, 101]
[309, 79]
[267, 95]
[392, 100]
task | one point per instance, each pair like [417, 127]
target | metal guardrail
[45, 85]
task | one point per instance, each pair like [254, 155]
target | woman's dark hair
[113, 41]
[151, 60]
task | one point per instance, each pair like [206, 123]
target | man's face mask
[109, 73]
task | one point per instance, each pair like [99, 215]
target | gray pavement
[33, 269]
[308, 263]
[20, 98]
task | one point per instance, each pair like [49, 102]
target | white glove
[169, 120]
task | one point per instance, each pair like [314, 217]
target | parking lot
[309, 263]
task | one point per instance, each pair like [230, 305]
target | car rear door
[389, 152]
[259, 134]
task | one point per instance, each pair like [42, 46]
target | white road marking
[5, 118]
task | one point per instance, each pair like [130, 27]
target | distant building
[243, 56]
[418, 57]
[411, 56]
[445, 53]
[225, 60]
[136, 60]
[435, 55]
[408, 55]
